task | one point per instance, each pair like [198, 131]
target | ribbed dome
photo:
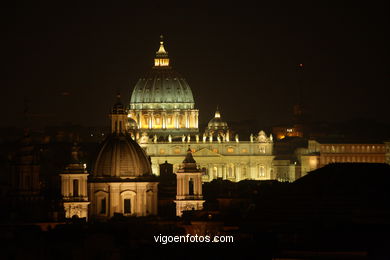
[120, 156]
[162, 88]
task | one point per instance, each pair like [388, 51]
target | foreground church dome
[120, 156]
[116, 185]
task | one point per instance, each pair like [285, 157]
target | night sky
[68, 62]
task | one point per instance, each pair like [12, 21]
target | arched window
[128, 198]
[215, 172]
[149, 202]
[230, 171]
[261, 171]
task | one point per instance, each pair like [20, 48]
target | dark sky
[242, 57]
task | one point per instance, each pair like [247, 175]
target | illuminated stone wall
[232, 160]
[319, 154]
[142, 196]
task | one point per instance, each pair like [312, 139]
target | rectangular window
[191, 187]
[103, 206]
[127, 206]
[261, 171]
[243, 173]
[75, 188]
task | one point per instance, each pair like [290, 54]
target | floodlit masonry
[163, 119]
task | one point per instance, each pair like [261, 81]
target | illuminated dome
[162, 87]
[120, 156]
[217, 123]
[162, 103]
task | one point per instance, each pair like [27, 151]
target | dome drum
[161, 106]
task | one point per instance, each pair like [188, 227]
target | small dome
[120, 156]
[217, 123]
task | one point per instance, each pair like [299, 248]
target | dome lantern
[161, 59]
[217, 114]
[118, 117]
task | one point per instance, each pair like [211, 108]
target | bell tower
[74, 187]
[189, 186]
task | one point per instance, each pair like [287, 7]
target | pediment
[206, 152]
